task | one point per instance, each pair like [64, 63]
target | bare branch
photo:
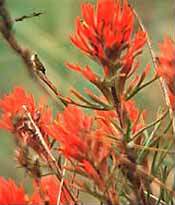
[61, 183]
[24, 17]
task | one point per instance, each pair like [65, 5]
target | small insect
[38, 66]
[84, 23]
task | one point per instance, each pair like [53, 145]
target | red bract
[47, 192]
[70, 128]
[86, 72]
[19, 114]
[133, 115]
[11, 194]
[11, 106]
[106, 118]
[166, 68]
[81, 141]
[106, 31]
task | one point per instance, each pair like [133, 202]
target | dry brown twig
[33, 64]
[35, 69]
[24, 17]
[62, 182]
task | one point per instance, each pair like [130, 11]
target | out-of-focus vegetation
[48, 35]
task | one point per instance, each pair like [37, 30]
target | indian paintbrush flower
[107, 37]
[11, 194]
[19, 116]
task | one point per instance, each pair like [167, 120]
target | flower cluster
[106, 36]
[44, 192]
[104, 152]
[82, 141]
[20, 115]
[110, 40]
[11, 194]
[82, 138]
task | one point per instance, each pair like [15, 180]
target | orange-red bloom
[166, 68]
[19, 114]
[70, 129]
[47, 192]
[82, 141]
[105, 31]
[12, 104]
[11, 194]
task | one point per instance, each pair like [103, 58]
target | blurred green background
[48, 35]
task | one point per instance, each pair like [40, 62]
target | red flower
[70, 128]
[19, 114]
[48, 191]
[82, 141]
[106, 31]
[11, 106]
[166, 68]
[11, 194]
